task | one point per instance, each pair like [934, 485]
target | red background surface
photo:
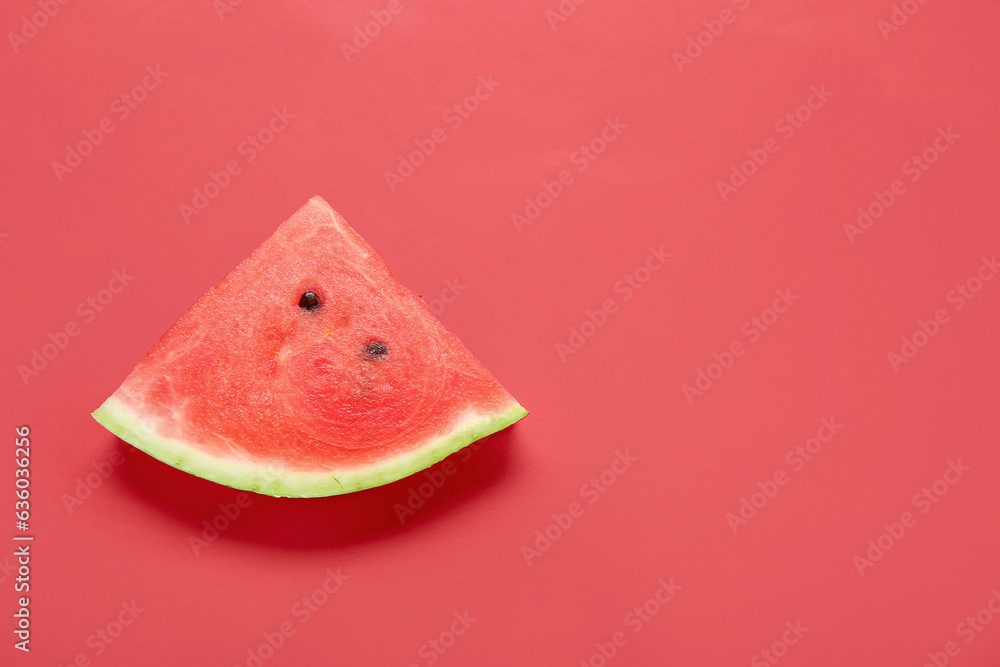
[656, 184]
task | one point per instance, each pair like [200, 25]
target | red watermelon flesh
[308, 371]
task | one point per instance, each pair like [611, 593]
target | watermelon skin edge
[273, 480]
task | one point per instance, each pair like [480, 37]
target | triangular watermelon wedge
[308, 371]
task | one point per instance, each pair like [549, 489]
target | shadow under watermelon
[217, 514]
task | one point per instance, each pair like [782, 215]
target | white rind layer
[273, 480]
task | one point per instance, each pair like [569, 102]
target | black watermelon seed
[309, 301]
[376, 349]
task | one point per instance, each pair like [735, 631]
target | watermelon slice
[308, 371]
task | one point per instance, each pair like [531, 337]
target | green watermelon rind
[274, 480]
